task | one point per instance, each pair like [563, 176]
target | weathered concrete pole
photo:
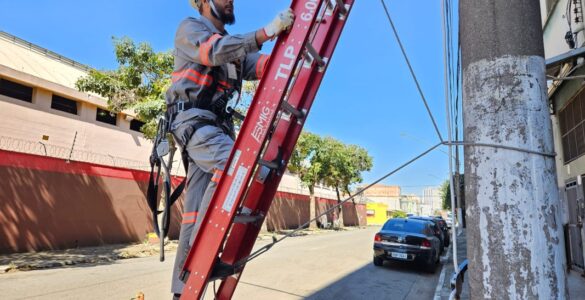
[514, 235]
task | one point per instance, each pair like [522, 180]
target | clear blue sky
[367, 97]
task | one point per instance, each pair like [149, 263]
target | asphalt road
[335, 265]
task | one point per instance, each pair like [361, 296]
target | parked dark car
[407, 240]
[439, 232]
[443, 225]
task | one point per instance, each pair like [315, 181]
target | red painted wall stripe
[59, 165]
[51, 164]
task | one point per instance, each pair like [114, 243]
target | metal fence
[45, 149]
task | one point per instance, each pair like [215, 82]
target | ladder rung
[314, 55]
[341, 5]
[269, 164]
[300, 115]
[246, 219]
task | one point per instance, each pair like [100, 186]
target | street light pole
[514, 235]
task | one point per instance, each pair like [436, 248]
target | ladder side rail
[247, 148]
[261, 195]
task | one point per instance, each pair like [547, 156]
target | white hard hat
[195, 3]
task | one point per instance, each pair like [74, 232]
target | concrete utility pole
[514, 236]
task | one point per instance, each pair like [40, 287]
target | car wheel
[378, 261]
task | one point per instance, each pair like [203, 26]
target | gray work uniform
[207, 64]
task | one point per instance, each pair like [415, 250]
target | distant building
[432, 200]
[387, 194]
[377, 213]
[410, 204]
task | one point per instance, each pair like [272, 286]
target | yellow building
[376, 213]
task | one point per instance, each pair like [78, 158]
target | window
[136, 125]
[64, 104]
[15, 90]
[404, 226]
[105, 116]
[572, 125]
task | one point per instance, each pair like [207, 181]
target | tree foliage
[139, 83]
[446, 194]
[342, 165]
[327, 161]
[398, 214]
[446, 191]
[305, 160]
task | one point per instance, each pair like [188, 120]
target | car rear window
[405, 226]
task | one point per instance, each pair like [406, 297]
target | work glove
[281, 22]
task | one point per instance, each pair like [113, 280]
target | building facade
[431, 201]
[563, 26]
[386, 194]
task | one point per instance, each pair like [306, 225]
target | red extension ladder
[264, 145]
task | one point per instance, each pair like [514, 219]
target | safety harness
[224, 108]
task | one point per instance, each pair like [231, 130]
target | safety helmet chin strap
[214, 10]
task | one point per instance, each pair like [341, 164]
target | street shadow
[394, 280]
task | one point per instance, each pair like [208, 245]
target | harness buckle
[180, 106]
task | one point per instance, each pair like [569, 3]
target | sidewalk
[449, 268]
[110, 253]
[576, 283]
[81, 256]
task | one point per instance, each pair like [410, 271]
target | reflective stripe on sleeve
[194, 76]
[261, 65]
[206, 47]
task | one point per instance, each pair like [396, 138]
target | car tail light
[377, 238]
[426, 243]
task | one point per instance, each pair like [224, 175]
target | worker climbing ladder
[264, 145]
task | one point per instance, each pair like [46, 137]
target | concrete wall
[554, 28]
[47, 203]
[289, 211]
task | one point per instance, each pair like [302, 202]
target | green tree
[342, 166]
[306, 163]
[446, 194]
[328, 161]
[398, 214]
[139, 83]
